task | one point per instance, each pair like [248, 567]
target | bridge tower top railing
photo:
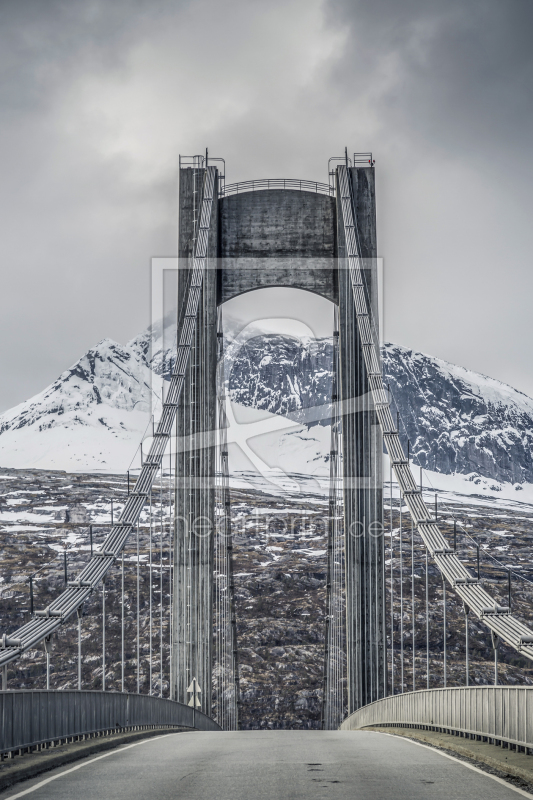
[260, 184]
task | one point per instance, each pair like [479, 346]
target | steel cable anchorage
[46, 622]
[497, 618]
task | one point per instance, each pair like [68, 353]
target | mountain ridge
[93, 416]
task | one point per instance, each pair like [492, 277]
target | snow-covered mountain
[94, 415]
[457, 421]
[90, 418]
[282, 375]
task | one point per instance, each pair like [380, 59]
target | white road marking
[84, 764]
[464, 763]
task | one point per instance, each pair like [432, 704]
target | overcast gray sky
[97, 100]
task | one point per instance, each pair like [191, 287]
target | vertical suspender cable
[328, 684]
[226, 654]
[467, 665]
[427, 619]
[47, 645]
[427, 600]
[368, 544]
[413, 598]
[150, 582]
[401, 597]
[103, 634]
[161, 586]
[79, 647]
[444, 626]
[122, 624]
[170, 529]
[138, 621]
[391, 589]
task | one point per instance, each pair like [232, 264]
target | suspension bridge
[234, 239]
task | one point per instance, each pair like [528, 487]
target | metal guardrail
[363, 158]
[277, 183]
[36, 718]
[501, 714]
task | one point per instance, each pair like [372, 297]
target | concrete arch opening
[279, 362]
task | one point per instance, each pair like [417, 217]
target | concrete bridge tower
[278, 234]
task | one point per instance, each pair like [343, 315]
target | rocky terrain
[280, 564]
[282, 375]
[459, 421]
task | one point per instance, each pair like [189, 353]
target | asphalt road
[267, 765]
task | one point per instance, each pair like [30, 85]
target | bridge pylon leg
[362, 464]
[195, 463]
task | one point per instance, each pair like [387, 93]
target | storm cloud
[98, 99]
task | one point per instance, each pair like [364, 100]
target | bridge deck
[289, 765]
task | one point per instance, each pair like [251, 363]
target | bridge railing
[277, 183]
[499, 714]
[35, 718]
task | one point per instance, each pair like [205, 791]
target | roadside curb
[33, 764]
[517, 765]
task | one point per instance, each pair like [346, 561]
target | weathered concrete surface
[277, 237]
[21, 768]
[195, 500]
[362, 445]
[509, 762]
[273, 765]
